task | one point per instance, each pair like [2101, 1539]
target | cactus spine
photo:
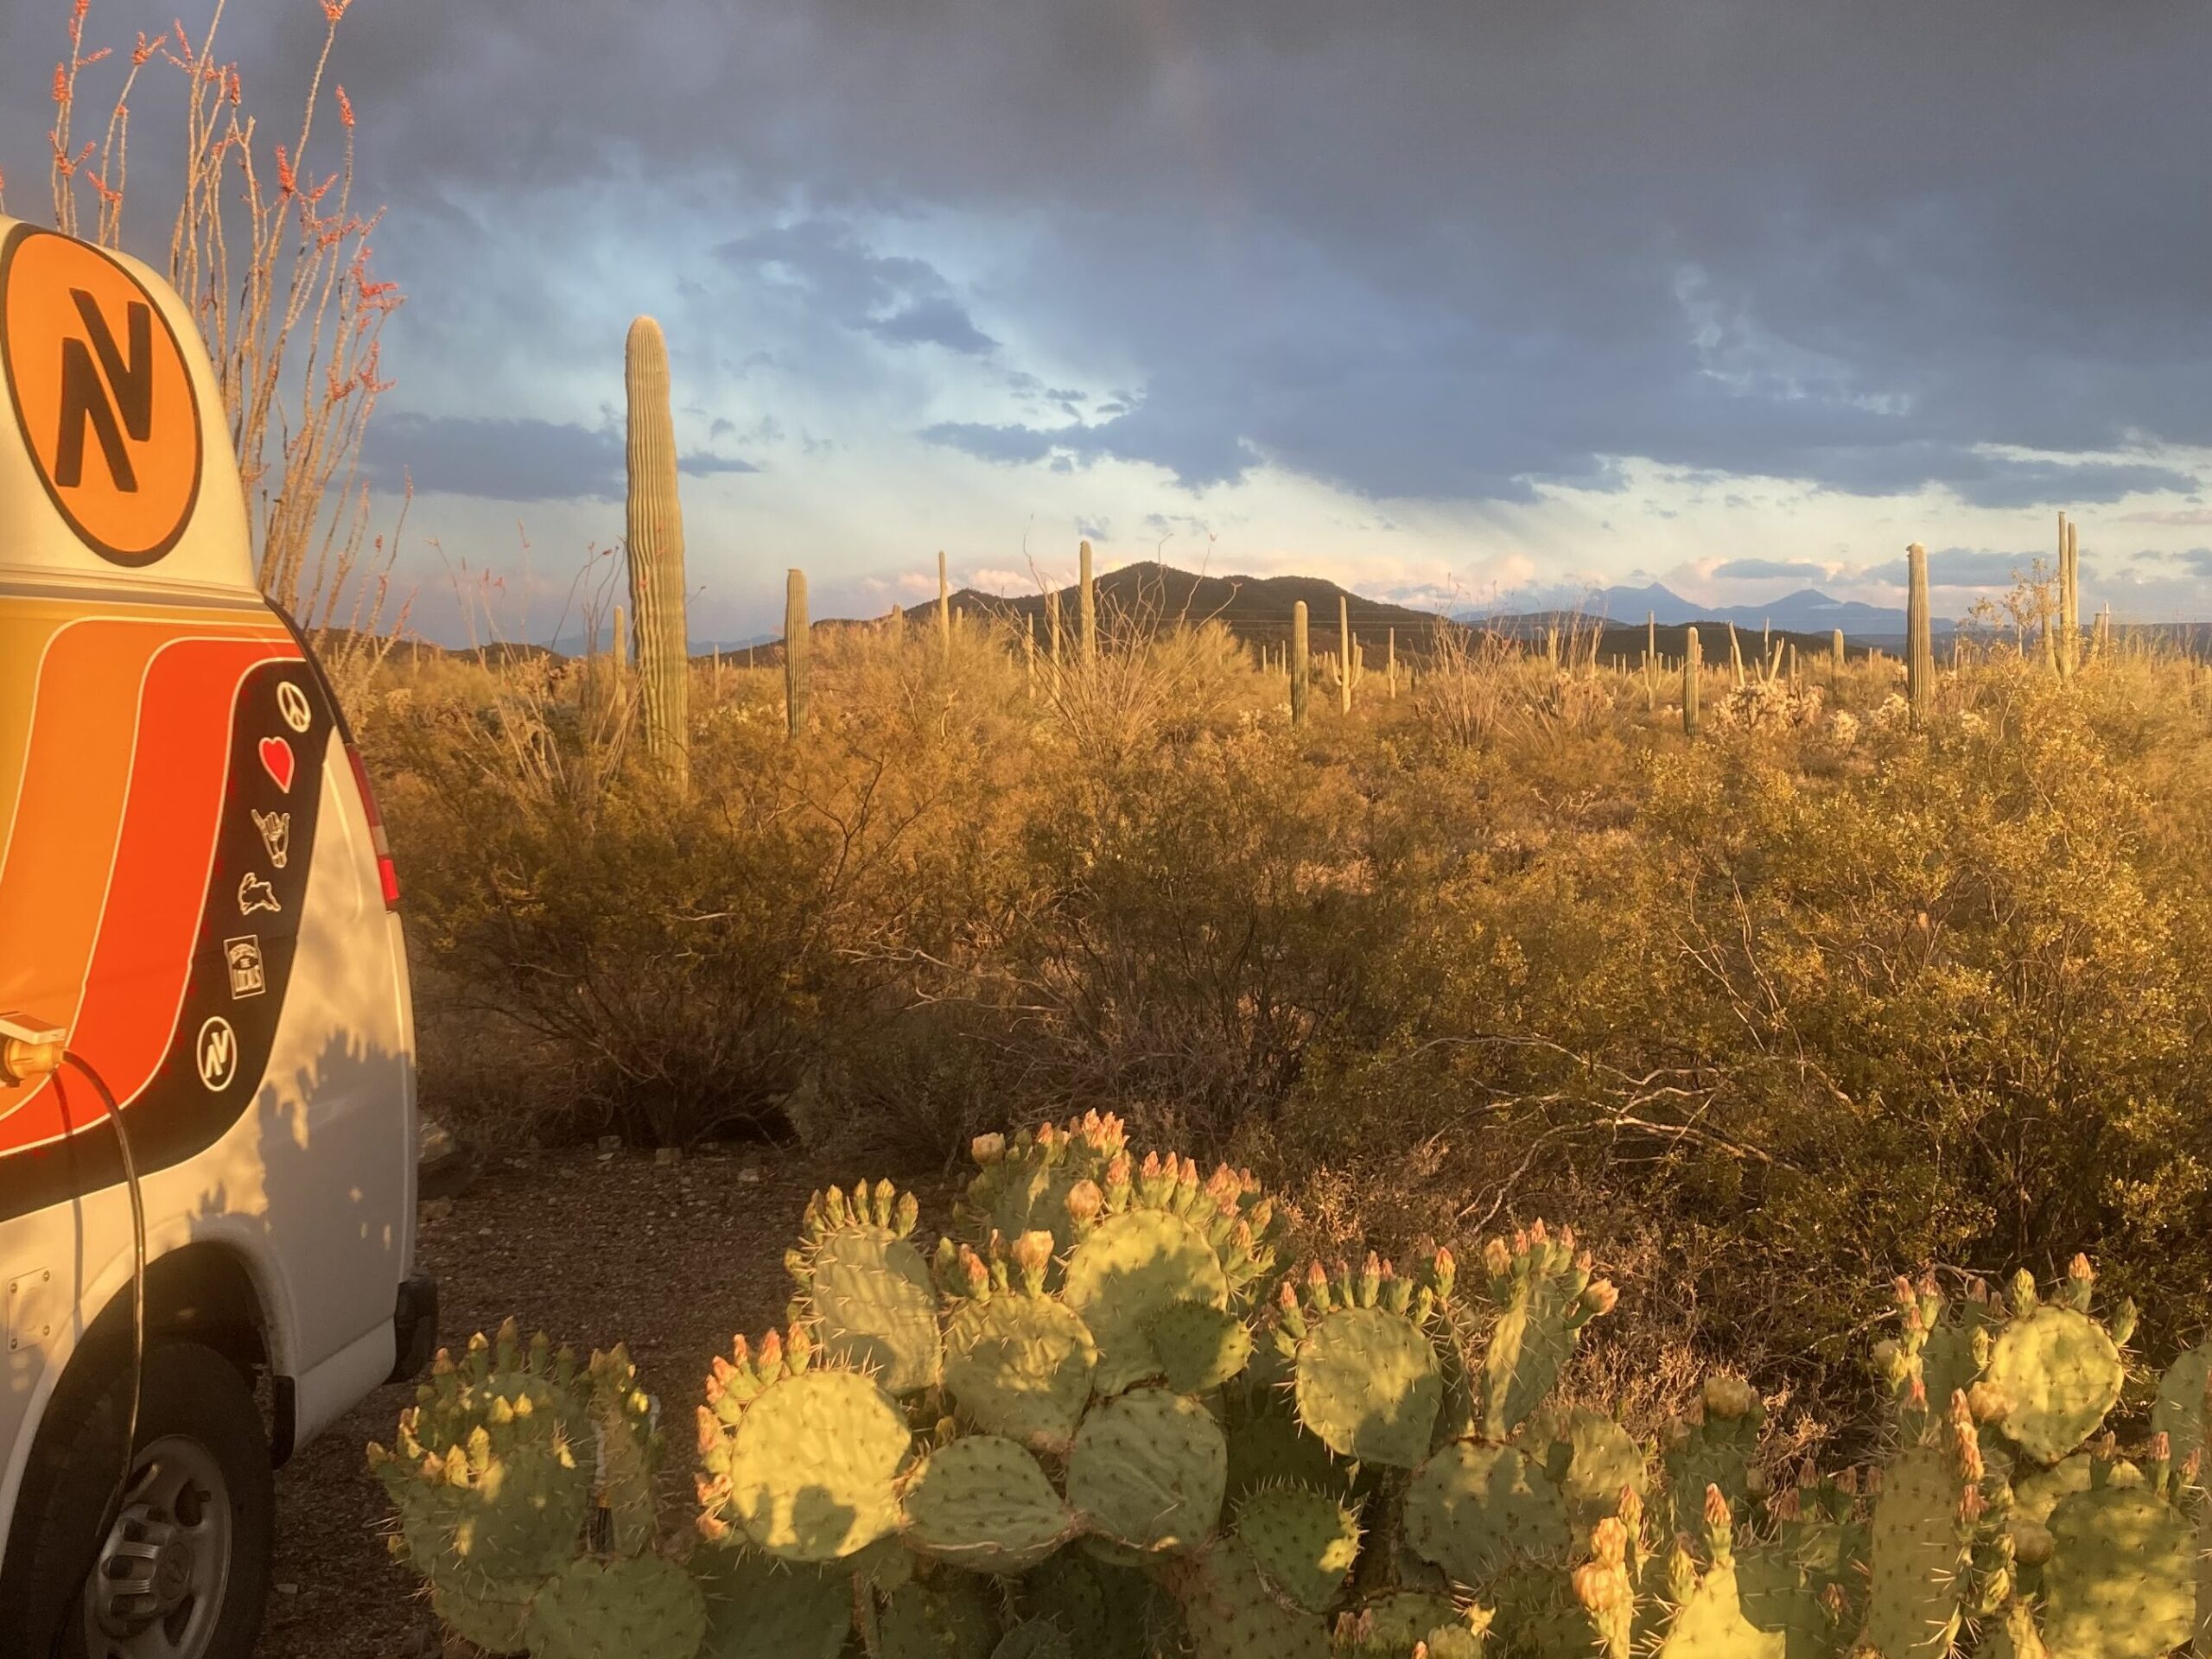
[1693, 665]
[1086, 604]
[1300, 664]
[797, 648]
[655, 530]
[1920, 650]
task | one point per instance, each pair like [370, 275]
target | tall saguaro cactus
[1920, 647]
[1300, 664]
[1344, 641]
[943, 607]
[1086, 604]
[1835, 647]
[2070, 598]
[1692, 668]
[1390, 661]
[655, 532]
[799, 642]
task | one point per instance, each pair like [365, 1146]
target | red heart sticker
[276, 761]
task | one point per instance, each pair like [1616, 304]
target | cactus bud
[1727, 1396]
[1498, 1260]
[1032, 1254]
[987, 1149]
[2024, 1293]
[2123, 1323]
[907, 1215]
[1443, 1272]
[2032, 1541]
[1370, 1280]
[1599, 1299]
[1084, 1202]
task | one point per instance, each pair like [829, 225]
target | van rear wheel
[182, 1569]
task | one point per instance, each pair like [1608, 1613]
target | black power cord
[137, 1278]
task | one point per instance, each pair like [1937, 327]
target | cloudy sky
[1444, 299]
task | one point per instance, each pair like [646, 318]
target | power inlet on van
[28, 1049]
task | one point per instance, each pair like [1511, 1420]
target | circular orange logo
[100, 393]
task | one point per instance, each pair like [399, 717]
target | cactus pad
[2039, 1491]
[641, 1608]
[2061, 1373]
[1198, 1346]
[1544, 1296]
[981, 1502]
[875, 1304]
[1470, 1508]
[493, 1613]
[2179, 1414]
[2117, 1583]
[1100, 1607]
[1033, 1639]
[1127, 1270]
[1369, 1386]
[1147, 1470]
[1710, 1624]
[948, 1621]
[1230, 1614]
[761, 1608]
[1020, 1366]
[812, 1463]
[1593, 1459]
[1303, 1541]
[1388, 1626]
[1916, 1557]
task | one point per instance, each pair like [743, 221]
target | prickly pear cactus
[1304, 1542]
[642, 1607]
[804, 1458]
[1367, 1383]
[1231, 1613]
[1470, 1509]
[866, 1290]
[2119, 1581]
[1544, 1295]
[757, 1607]
[981, 1502]
[2055, 1370]
[1148, 1470]
[491, 1470]
[1709, 1623]
[1017, 1361]
[1923, 1524]
[2180, 1413]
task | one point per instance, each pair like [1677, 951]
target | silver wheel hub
[157, 1590]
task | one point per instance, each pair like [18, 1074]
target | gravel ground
[592, 1248]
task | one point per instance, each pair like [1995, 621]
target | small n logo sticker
[98, 388]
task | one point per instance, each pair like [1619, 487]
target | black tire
[191, 1393]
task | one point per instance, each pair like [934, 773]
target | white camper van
[207, 1049]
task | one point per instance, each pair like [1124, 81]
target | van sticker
[276, 761]
[254, 893]
[100, 391]
[276, 834]
[292, 703]
[218, 1053]
[242, 958]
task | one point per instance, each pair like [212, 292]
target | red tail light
[387, 873]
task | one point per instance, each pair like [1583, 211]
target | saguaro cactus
[1693, 665]
[1344, 641]
[1835, 648]
[655, 532]
[1390, 661]
[943, 607]
[1300, 664]
[1086, 604]
[797, 648]
[1920, 648]
[2070, 598]
[1052, 629]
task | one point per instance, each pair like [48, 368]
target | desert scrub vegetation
[1773, 1009]
[1110, 1416]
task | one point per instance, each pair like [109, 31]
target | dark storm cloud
[1431, 249]
[1768, 569]
[518, 460]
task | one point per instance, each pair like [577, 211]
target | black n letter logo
[86, 401]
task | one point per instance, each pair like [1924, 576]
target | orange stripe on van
[107, 868]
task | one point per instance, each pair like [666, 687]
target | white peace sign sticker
[217, 1051]
[292, 703]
